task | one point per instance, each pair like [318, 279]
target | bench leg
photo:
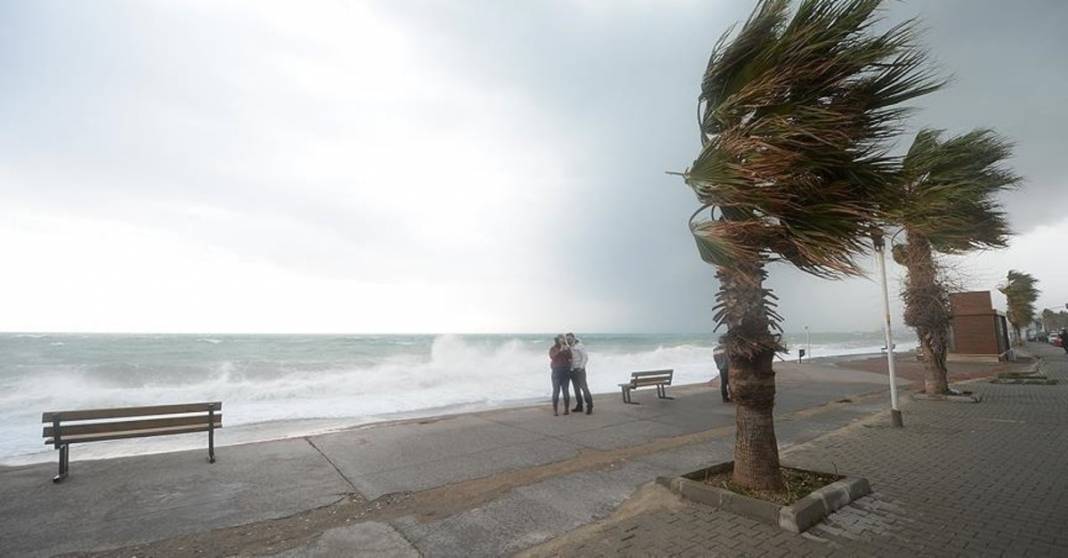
[64, 463]
[661, 392]
[626, 396]
[211, 436]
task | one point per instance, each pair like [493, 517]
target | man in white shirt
[578, 373]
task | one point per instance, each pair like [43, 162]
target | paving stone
[958, 480]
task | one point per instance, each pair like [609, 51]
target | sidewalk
[483, 484]
[987, 479]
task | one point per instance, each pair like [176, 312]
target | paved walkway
[484, 484]
[987, 479]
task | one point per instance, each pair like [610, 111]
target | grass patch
[799, 483]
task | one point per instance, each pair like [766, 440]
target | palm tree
[1049, 320]
[1020, 292]
[944, 200]
[793, 113]
[1054, 321]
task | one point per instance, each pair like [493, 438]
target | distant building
[978, 332]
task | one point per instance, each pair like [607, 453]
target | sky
[417, 166]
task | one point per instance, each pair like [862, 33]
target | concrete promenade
[987, 479]
[483, 484]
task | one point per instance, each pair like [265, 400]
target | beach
[486, 483]
[427, 477]
[279, 386]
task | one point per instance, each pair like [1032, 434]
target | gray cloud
[225, 127]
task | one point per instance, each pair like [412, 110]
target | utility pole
[880, 247]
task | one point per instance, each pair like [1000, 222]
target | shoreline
[286, 429]
[349, 424]
[468, 482]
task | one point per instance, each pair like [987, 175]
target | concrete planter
[795, 518]
[1024, 378]
[1035, 381]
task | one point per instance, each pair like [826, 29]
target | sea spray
[268, 382]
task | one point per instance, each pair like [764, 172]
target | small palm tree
[945, 201]
[794, 113]
[1020, 292]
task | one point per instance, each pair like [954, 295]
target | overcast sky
[404, 166]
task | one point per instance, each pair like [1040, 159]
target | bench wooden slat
[132, 434]
[90, 414]
[651, 372]
[66, 430]
[651, 381]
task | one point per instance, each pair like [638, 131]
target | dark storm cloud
[1009, 73]
[624, 78]
[124, 106]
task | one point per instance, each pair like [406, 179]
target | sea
[279, 386]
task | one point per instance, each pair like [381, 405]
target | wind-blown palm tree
[945, 201]
[1020, 293]
[794, 113]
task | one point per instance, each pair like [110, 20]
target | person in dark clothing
[1064, 339]
[560, 363]
[720, 357]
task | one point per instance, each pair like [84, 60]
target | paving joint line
[332, 464]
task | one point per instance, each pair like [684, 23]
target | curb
[796, 518]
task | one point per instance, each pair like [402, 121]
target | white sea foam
[455, 372]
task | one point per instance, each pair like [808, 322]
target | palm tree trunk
[927, 310]
[936, 375]
[750, 348]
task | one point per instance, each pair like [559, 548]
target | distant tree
[945, 202]
[795, 112]
[1054, 321]
[1020, 293]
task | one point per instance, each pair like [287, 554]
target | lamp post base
[895, 418]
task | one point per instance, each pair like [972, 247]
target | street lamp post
[880, 247]
[808, 343]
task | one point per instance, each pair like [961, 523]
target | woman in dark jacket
[560, 362]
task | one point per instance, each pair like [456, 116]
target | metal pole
[808, 343]
[895, 414]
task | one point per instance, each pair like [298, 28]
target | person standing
[722, 363]
[560, 363]
[1064, 339]
[579, 358]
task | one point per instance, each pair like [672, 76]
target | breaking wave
[336, 381]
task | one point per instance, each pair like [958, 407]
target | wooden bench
[659, 378]
[97, 425]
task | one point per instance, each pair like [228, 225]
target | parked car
[1055, 340]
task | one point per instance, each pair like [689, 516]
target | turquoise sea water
[280, 385]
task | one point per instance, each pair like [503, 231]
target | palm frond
[1020, 292]
[947, 190]
[794, 114]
